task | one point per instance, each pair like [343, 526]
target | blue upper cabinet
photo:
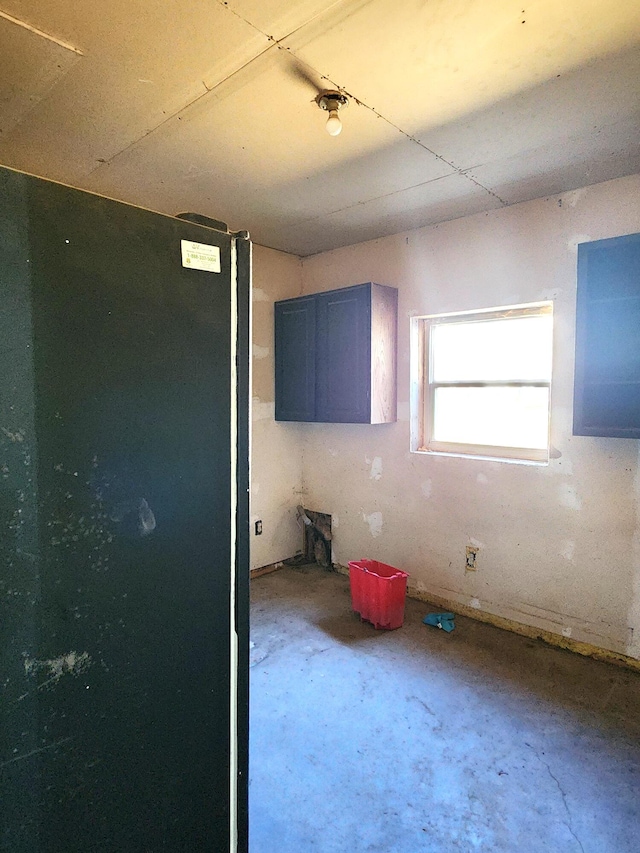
[607, 375]
[336, 355]
[295, 337]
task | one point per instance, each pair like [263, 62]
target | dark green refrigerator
[124, 388]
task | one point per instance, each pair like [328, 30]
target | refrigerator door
[123, 446]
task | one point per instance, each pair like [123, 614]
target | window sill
[423, 451]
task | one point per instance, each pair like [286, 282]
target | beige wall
[559, 544]
[276, 459]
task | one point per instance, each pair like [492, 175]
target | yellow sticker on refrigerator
[200, 256]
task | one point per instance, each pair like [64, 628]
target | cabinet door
[344, 355]
[295, 341]
[607, 376]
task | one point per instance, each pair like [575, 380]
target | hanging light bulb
[332, 101]
[334, 125]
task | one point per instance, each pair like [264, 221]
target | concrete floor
[418, 740]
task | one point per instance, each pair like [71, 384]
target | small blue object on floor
[440, 620]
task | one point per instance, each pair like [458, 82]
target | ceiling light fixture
[332, 101]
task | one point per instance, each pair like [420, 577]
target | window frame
[423, 387]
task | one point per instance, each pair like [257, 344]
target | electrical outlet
[258, 527]
[470, 560]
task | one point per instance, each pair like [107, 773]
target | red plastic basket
[378, 592]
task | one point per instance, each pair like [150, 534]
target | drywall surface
[558, 545]
[276, 453]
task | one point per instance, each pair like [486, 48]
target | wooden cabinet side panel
[581, 318]
[384, 354]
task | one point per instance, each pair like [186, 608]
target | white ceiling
[457, 106]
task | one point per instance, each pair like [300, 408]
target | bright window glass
[502, 417]
[487, 382]
[516, 348]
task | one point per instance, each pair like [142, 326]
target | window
[481, 382]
